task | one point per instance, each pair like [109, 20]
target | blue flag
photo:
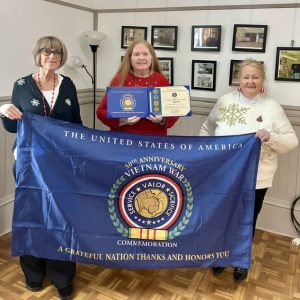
[131, 201]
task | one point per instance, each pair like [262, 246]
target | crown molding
[177, 8]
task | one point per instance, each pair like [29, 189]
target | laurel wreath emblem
[111, 200]
[182, 224]
[172, 233]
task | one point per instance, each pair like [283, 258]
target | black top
[28, 98]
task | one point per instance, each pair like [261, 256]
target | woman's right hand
[10, 111]
[263, 135]
[129, 121]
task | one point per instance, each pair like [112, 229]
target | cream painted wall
[282, 28]
[20, 30]
[23, 22]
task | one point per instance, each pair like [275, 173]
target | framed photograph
[204, 74]
[234, 71]
[251, 38]
[164, 37]
[167, 67]
[132, 33]
[206, 38]
[287, 66]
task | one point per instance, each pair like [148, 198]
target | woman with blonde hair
[245, 110]
[52, 95]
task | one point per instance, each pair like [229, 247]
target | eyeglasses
[48, 52]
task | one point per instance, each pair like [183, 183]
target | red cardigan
[144, 126]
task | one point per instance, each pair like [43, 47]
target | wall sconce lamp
[94, 38]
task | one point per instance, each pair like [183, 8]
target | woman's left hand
[156, 119]
[263, 135]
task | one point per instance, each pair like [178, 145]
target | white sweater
[235, 114]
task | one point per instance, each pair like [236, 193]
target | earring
[262, 90]
[238, 89]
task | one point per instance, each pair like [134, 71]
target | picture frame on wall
[164, 37]
[204, 75]
[250, 38]
[287, 67]
[166, 65]
[132, 33]
[234, 71]
[206, 37]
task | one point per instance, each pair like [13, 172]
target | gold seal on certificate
[170, 101]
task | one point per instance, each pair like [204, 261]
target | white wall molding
[200, 105]
[6, 200]
[71, 5]
[277, 219]
[279, 203]
[203, 7]
[6, 212]
[178, 8]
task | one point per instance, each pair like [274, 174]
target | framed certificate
[125, 102]
[170, 101]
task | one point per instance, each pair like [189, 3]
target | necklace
[43, 98]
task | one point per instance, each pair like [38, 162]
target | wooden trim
[4, 99]
[6, 200]
[84, 8]
[204, 7]
[176, 8]
[200, 105]
[269, 200]
[95, 20]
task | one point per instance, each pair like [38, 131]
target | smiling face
[50, 53]
[50, 59]
[141, 60]
[251, 81]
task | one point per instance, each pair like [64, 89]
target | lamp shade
[75, 61]
[94, 37]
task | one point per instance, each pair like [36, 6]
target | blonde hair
[255, 63]
[126, 67]
[50, 42]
